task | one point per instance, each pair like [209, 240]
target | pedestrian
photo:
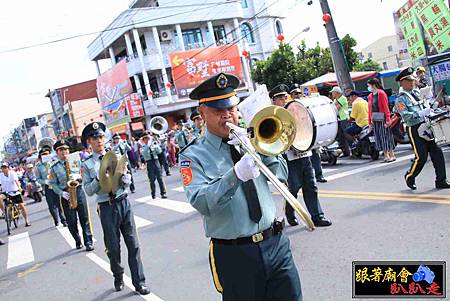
[60, 175]
[10, 185]
[421, 79]
[151, 151]
[172, 149]
[380, 119]
[296, 94]
[301, 173]
[414, 112]
[341, 104]
[42, 173]
[114, 209]
[250, 258]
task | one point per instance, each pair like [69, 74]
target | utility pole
[337, 53]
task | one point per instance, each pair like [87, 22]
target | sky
[27, 75]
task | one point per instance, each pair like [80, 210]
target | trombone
[272, 131]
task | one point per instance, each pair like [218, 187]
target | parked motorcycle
[330, 153]
[365, 144]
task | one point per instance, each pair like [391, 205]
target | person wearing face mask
[250, 257]
[379, 119]
[414, 112]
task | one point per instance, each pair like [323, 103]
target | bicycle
[12, 213]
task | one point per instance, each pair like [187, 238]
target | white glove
[246, 168]
[126, 179]
[242, 133]
[66, 195]
[425, 112]
[75, 177]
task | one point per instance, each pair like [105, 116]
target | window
[219, 34]
[390, 49]
[385, 66]
[370, 55]
[192, 38]
[278, 27]
[246, 32]
[244, 3]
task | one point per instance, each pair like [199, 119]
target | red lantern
[101, 115]
[92, 119]
[214, 65]
[110, 111]
[84, 123]
[245, 53]
[326, 18]
[280, 37]
[169, 85]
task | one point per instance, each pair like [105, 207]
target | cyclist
[11, 186]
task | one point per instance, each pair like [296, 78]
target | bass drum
[316, 121]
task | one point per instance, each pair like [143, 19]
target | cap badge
[95, 125]
[222, 81]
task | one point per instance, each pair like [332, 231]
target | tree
[348, 43]
[367, 65]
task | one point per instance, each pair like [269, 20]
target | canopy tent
[329, 79]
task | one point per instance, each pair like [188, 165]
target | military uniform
[116, 216]
[301, 176]
[122, 148]
[181, 137]
[58, 182]
[50, 196]
[249, 256]
[413, 113]
[151, 152]
[196, 132]
[162, 157]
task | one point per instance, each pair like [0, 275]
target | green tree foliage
[367, 65]
[284, 66]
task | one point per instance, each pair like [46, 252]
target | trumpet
[273, 131]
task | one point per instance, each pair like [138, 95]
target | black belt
[118, 199]
[275, 229]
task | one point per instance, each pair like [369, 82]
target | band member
[198, 124]
[181, 136]
[250, 258]
[151, 150]
[42, 172]
[10, 185]
[413, 113]
[121, 147]
[301, 173]
[296, 93]
[162, 157]
[116, 214]
[60, 175]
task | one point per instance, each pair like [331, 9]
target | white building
[386, 52]
[147, 32]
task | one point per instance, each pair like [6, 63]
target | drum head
[305, 134]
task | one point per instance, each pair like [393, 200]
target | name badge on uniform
[186, 172]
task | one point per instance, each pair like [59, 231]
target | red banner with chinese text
[134, 105]
[190, 68]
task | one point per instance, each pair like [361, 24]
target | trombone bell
[273, 130]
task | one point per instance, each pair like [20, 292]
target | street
[375, 217]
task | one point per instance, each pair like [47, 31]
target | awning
[392, 72]
[329, 79]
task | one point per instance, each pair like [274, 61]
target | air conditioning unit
[166, 35]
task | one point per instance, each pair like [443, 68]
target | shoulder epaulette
[85, 159]
[187, 145]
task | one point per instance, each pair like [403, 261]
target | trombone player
[250, 258]
[60, 175]
[115, 212]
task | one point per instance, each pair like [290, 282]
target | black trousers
[421, 149]
[343, 143]
[154, 173]
[53, 207]
[82, 211]
[317, 163]
[301, 176]
[162, 158]
[118, 218]
[255, 272]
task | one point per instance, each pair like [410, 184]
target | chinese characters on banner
[112, 88]
[435, 19]
[441, 71]
[190, 68]
[411, 31]
[134, 105]
[405, 279]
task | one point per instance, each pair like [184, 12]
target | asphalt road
[375, 217]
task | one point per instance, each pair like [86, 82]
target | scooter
[330, 153]
[36, 190]
[398, 129]
[365, 144]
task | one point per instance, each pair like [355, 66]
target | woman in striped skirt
[379, 119]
